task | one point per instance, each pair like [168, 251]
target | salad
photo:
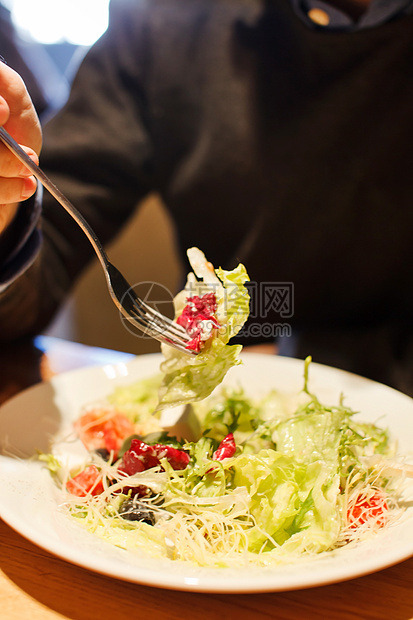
[270, 480]
[263, 481]
[213, 307]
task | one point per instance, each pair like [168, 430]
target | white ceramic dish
[28, 500]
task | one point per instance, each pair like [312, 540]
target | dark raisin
[132, 510]
[103, 453]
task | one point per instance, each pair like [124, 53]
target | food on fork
[212, 308]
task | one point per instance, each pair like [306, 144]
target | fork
[132, 307]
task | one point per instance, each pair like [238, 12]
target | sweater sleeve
[21, 241]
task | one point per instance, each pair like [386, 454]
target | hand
[19, 117]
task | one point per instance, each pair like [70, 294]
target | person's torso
[291, 149]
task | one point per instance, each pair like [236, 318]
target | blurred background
[45, 40]
[50, 37]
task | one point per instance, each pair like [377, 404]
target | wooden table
[35, 585]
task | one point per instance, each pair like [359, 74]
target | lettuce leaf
[189, 378]
[292, 504]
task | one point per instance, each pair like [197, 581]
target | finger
[11, 166]
[16, 190]
[4, 111]
[17, 110]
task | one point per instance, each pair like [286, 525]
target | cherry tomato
[372, 508]
[104, 428]
[87, 481]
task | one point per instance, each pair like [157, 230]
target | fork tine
[165, 321]
[160, 334]
[153, 323]
[142, 315]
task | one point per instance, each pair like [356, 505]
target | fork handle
[56, 193]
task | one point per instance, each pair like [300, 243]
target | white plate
[29, 504]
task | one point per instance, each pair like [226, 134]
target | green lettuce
[288, 500]
[137, 400]
[189, 378]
